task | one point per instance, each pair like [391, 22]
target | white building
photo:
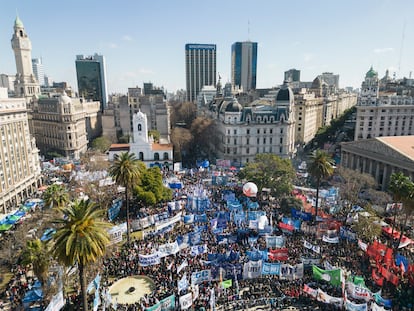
[143, 146]
[38, 70]
[382, 114]
[19, 158]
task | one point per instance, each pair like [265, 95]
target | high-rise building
[26, 84]
[244, 65]
[38, 70]
[200, 67]
[91, 76]
[20, 174]
[292, 75]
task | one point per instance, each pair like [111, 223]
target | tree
[205, 139]
[101, 144]
[126, 171]
[270, 171]
[155, 135]
[366, 228]
[81, 238]
[402, 189]
[55, 196]
[183, 114]
[181, 139]
[37, 254]
[321, 166]
[151, 189]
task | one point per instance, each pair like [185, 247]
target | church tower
[369, 89]
[25, 84]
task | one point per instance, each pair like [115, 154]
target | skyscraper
[91, 76]
[200, 67]
[292, 75]
[26, 84]
[38, 70]
[244, 65]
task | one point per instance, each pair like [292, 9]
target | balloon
[250, 189]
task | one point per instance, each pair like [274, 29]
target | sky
[144, 41]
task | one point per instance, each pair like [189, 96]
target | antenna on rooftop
[401, 49]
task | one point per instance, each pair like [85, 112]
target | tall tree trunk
[127, 213]
[82, 280]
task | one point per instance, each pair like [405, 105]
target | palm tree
[56, 196]
[37, 254]
[321, 166]
[81, 238]
[126, 171]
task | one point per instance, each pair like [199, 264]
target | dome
[65, 99]
[18, 23]
[371, 73]
[285, 93]
[233, 106]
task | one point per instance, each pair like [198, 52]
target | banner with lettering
[115, 234]
[252, 269]
[167, 249]
[148, 260]
[188, 219]
[271, 268]
[310, 291]
[310, 261]
[289, 272]
[358, 292]
[275, 241]
[347, 233]
[296, 223]
[227, 271]
[167, 304]
[186, 301]
[200, 276]
[182, 284]
[315, 248]
[198, 249]
[302, 215]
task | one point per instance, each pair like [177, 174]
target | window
[156, 156]
[281, 140]
[247, 150]
[248, 131]
[139, 127]
[141, 156]
[258, 131]
[281, 131]
[235, 132]
[271, 131]
[247, 140]
[165, 155]
[264, 140]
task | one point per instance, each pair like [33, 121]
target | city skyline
[345, 38]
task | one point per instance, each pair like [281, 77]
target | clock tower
[25, 84]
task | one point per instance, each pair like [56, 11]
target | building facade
[380, 157]
[244, 65]
[144, 147]
[65, 125]
[25, 84]
[200, 68]
[385, 113]
[91, 77]
[20, 174]
[264, 126]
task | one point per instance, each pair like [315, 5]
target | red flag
[280, 254]
[284, 226]
[378, 279]
[388, 257]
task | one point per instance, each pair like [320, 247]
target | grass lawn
[5, 278]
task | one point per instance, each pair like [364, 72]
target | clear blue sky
[143, 41]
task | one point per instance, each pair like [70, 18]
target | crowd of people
[271, 291]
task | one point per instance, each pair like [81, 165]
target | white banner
[252, 269]
[115, 234]
[200, 276]
[358, 292]
[56, 303]
[275, 241]
[182, 266]
[168, 222]
[183, 283]
[326, 298]
[350, 306]
[168, 249]
[148, 260]
[186, 301]
[327, 239]
[196, 291]
[198, 249]
[315, 248]
[288, 272]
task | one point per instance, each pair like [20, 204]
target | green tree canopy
[270, 171]
[81, 238]
[56, 196]
[155, 135]
[37, 254]
[151, 183]
[101, 144]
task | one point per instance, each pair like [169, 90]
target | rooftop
[402, 144]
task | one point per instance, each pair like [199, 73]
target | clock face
[24, 44]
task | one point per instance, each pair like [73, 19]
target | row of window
[156, 156]
[258, 131]
[229, 150]
[264, 139]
